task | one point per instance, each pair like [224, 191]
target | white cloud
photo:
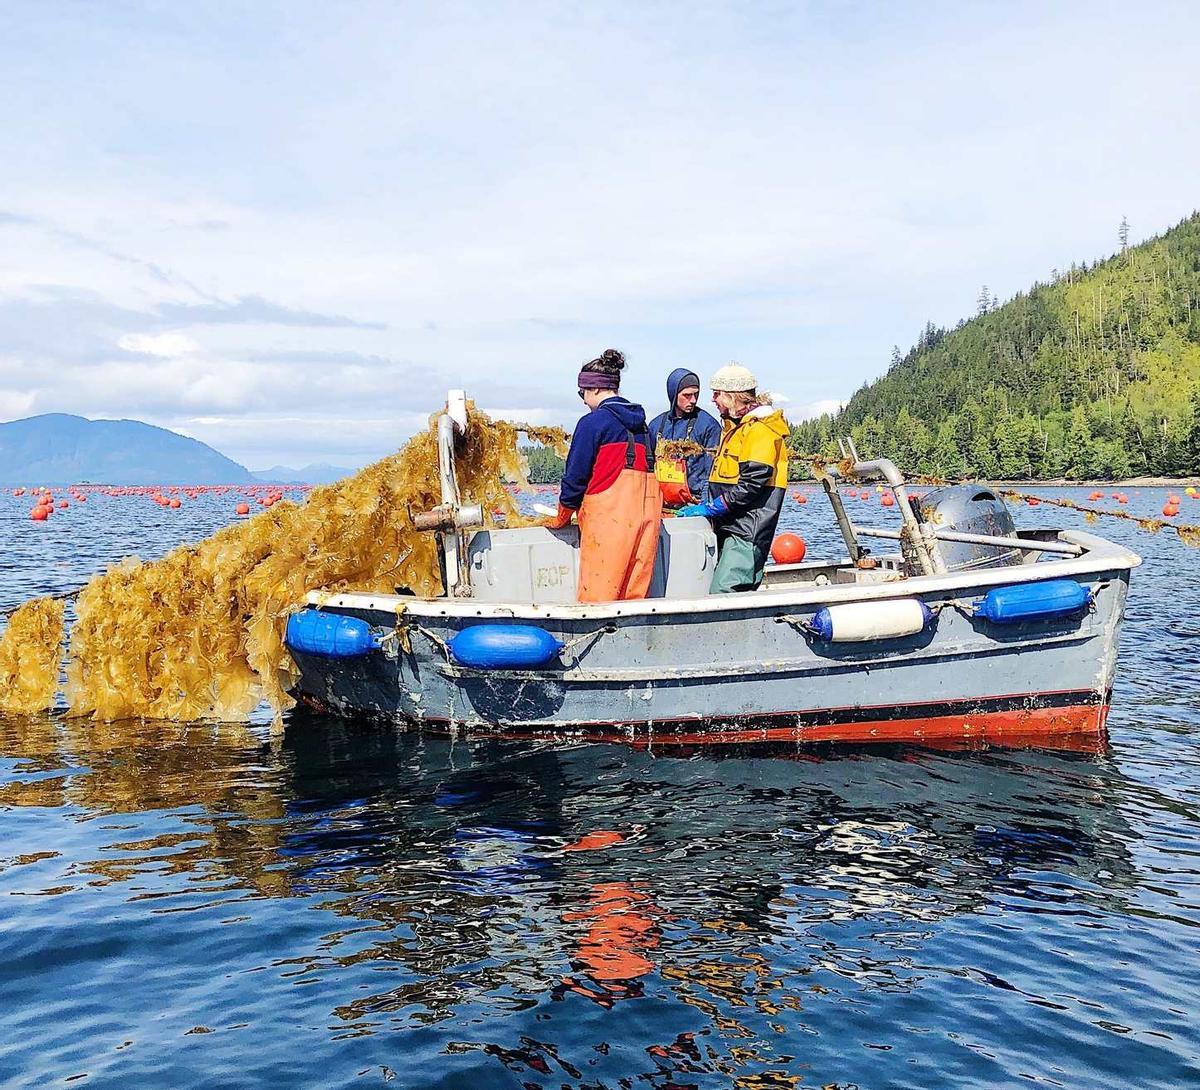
[815, 408]
[166, 345]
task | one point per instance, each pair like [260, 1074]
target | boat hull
[742, 669]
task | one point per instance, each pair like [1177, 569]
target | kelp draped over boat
[199, 633]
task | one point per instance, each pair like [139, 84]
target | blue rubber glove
[709, 509]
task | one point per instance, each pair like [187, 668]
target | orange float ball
[788, 549]
[175, 503]
[63, 503]
[887, 500]
[1170, 509]
[242, 509]
[39, 514]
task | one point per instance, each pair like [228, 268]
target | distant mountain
[318, 473]
[57, 448]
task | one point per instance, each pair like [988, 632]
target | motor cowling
[970, 509]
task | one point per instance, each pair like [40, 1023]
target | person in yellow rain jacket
[609, 479]
[748, 480]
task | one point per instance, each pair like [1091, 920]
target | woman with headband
[609, 481]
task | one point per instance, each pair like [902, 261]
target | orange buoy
[1033, 501]
[788, 549]
[887, 500]
[63, 503]
[802, 498]
[1170, 509]
[175, 503]
[1122, 498]
[242, 509]
[1172, 498]
[40, 514]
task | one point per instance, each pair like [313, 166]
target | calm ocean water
[197, 905]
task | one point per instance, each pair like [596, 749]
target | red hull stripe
[1023, 719]
[1025, 727]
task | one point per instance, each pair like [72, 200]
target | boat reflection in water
[575, 913]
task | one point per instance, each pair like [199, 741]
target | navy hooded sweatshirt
[599, 447]
[698, 426]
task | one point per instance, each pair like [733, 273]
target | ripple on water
[344, 906]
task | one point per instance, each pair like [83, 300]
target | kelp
[199, 634]
[30, 651]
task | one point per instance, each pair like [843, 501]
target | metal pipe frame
[1063, 547]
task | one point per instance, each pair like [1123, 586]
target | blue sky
[287, 228]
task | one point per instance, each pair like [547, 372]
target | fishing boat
[970, 631]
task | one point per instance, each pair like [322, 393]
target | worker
[684, 480]
[748, 479]
[609, 480]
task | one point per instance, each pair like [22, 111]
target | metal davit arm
[451, 518]
[918, 546]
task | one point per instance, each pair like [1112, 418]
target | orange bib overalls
[618, 533]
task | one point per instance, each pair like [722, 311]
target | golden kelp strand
[30, 650]
[199, 633]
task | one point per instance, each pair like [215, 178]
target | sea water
[344, 905]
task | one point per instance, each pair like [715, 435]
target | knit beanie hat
[733, 378]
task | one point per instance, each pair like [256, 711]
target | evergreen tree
[1077, 450]
[1191, 445]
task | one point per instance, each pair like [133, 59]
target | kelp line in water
[199, 633]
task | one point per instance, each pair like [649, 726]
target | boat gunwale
[1100, 555]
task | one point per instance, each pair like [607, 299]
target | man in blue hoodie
[684, 419]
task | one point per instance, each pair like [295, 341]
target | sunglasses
[580, 393]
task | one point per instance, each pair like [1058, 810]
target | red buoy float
[788, 549]
[39, 513]
[1170, 509]
[242, 509]
[887, 500]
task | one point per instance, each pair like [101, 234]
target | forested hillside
[1095, 374]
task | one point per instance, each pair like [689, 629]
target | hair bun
[609, 362]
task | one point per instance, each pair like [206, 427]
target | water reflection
[509, 886]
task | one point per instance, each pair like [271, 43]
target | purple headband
[595, 380]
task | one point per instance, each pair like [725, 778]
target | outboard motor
[970, 509]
